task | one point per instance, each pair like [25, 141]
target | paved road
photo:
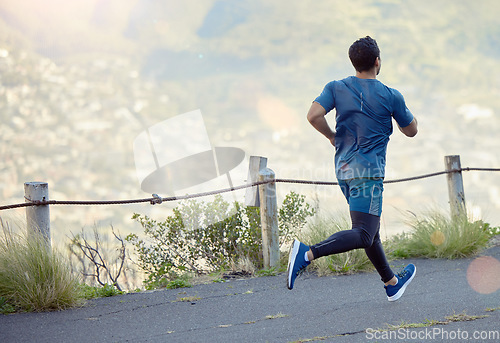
[326, 309]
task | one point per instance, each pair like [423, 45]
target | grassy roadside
[432, 235]
[437, 235]
[34, 278]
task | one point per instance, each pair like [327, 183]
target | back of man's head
[363, 53]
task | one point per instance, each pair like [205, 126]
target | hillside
[80, 80]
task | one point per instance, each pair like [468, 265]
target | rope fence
[38, 213]
[155, 199]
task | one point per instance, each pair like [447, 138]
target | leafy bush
[343, 263]
[293, 216]
[91, 292]
[197, 238]
[437, 235]
[267, 272]
[491, 230]
[181, 282]
[204, 237]
[5, 307]
[34, 277]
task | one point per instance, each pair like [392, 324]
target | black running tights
[364, 234]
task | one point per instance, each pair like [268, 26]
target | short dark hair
[363, 53]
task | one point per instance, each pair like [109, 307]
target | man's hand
[316, 116]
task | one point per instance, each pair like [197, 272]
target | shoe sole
[294, 250]
[399, 293]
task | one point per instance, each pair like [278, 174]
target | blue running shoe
[404, 278]
[296, 262]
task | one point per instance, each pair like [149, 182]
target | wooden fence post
[256, 164]
[269, 219]
[38, 217]
[455, 185]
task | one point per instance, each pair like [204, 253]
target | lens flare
[483, 275]
[437, 238]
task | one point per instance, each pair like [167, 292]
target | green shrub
[5, 307]
[344, 263]
[197, 238]
[91, 292]
[436, 235]
[181, 282]
[169, 282]
[34, 277]
[203, 237]
[491, 230]
[267, 272]
[292, 216]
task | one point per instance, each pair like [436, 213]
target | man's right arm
[316, 116]
[411, 129]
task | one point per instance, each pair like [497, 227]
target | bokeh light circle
[437, 238]
[483, 275]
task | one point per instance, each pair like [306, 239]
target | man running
[365, 108]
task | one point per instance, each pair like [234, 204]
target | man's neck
[369, 74]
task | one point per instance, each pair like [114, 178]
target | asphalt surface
[326, 309]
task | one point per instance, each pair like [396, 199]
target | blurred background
[81, 79]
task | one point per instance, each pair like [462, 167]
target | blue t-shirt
[365, 108]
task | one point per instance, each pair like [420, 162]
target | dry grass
[34, 277]
[437, 235]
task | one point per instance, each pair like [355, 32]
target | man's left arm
[411, 129]
[403, 115]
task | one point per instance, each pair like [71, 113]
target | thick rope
[158, 200]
